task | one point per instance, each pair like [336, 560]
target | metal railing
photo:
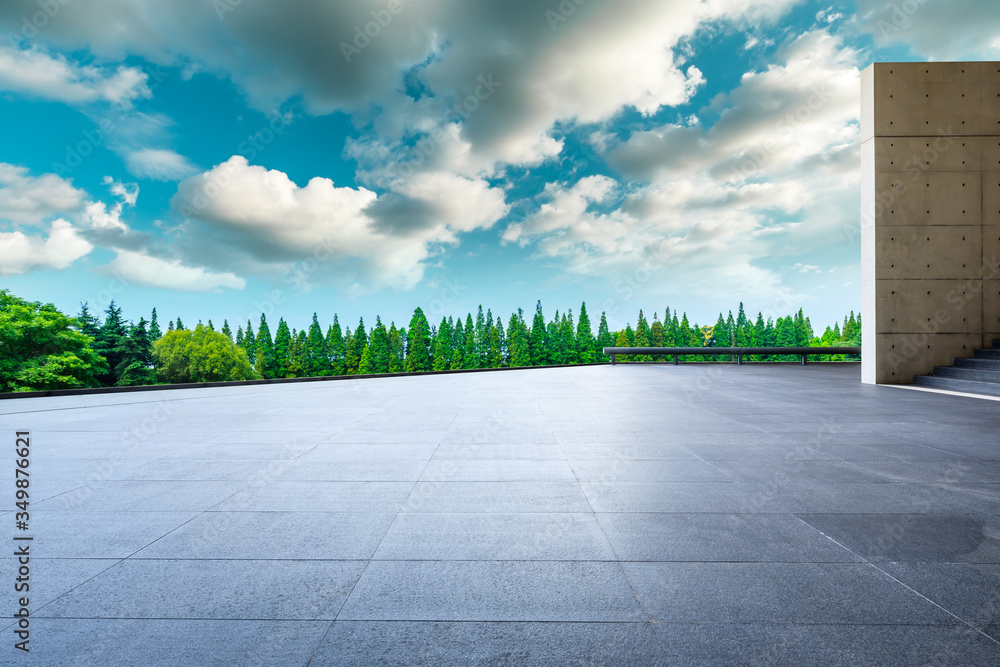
[738, 352]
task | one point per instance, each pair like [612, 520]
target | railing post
[675, 360]
[612, 360]
[739, 359]
[803, 360]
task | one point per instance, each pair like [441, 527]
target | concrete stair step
[982, 364]
[980, 374]
[954, 384]
[987, 354]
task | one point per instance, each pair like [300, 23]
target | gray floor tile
[971, 592]
[213, 589]
[144, 496]
[498, 470]
[292, 496]
[74, 534]
[714, 497]
[496, 497]
[719, 537]
[963, 538]
[155, 643]
[426, 536]
[492, 591]
[274, 535]
[461, 644]
[843, 593]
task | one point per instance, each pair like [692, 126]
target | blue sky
[219, 158]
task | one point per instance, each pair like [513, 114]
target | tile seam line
[904, 585]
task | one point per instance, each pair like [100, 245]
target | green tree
[110, 338]
[41, 348]
[336, 347]
[282, 350]
[136, 366]
[317, 360]
[396, 349]
[418, 343]
[250, 343]
[356, 348]
[264, 355]
[470, 357]
[380, 351]
[201, 355]
[87, 324]
[622, 341]
[536, 339]
[517, 333]
[443, 346]
[226, 330]
[604, 339]
[642, 337]
[154, 327]
[567, 336]
[585, 352]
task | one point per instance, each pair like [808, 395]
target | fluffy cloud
[955, 30]
[267, 218]
[144, 269]
[30, 199]
[777, 171]
[159, 164]
[19, 253]
[53, 77]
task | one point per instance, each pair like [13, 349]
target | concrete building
[930, 221]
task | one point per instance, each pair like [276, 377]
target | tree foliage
[201, 355]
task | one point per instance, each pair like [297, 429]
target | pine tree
[656, 333]
[356, 348]
[336, 348]
[720, 336]
[503, 354]
[470, 358]
[494, 355]
[642, 336]
[264, 356]
[226, 330]
[210, 327]
[567, 332]
[179, 326]
[298, 362]
[250, 343]
[136, 352]
[239, 336]
[482, 336]
[418, 343]
[108, 343]
[443, 346]
[317, 360]
[742, 328]
[282, 349]
[604, 339]
[154, 328]
[517, 334]
[584, 337]
[536, 339]
[396, 362]
[89, 325]
[553, 347]
[458, 345]
[379, 349]
[365, 365]
[170, 325]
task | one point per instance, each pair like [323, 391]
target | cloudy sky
[217, 158]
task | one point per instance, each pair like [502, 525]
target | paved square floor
[627, 515]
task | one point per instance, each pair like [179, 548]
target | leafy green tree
[656, 333]
[202, 355]
[622, 341]
[136, 366]
[41, 348]
[418, 343]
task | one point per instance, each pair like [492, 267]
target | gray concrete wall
[930, 232]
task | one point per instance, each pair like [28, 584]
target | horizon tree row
[116, 352]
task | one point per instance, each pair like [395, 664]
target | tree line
[41, 348]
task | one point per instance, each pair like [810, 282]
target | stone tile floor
[628, 515]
